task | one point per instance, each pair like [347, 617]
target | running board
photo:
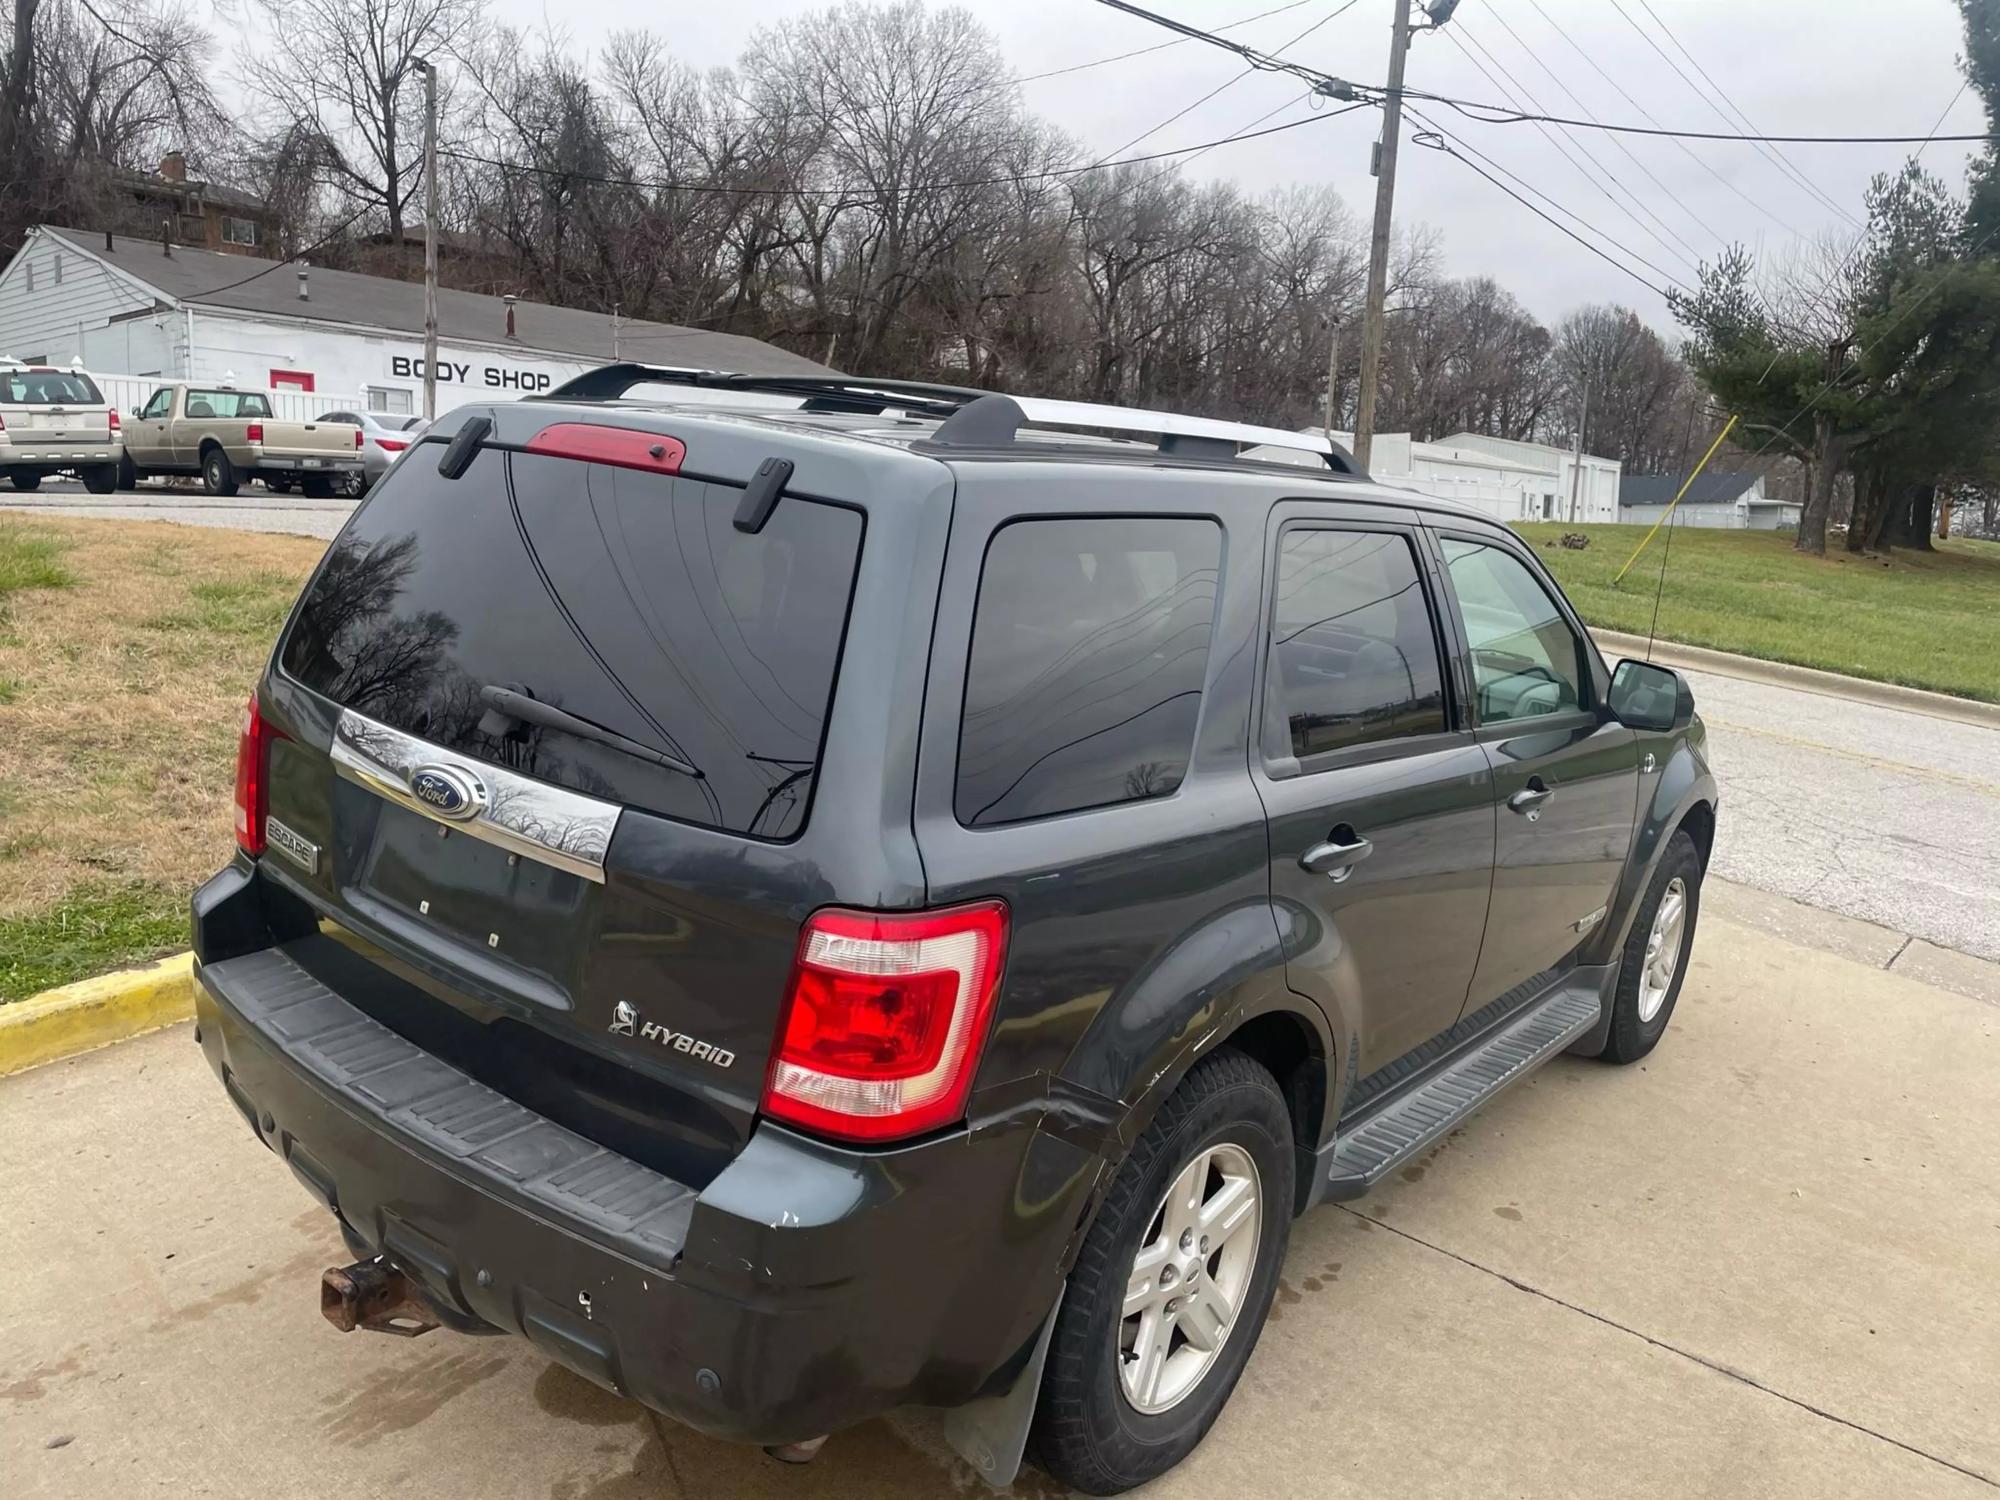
[1369, 1150]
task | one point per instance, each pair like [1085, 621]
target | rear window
[625, 598]
[47, 388]
[227, 405]
[1089, 648]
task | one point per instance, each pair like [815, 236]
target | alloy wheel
[1663, 949]
[1189, 1278]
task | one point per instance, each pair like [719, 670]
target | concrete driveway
[1765, 1262]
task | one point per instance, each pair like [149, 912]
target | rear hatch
[43, 407]
[600, 925]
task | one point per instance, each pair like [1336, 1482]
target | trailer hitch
[373, 1295]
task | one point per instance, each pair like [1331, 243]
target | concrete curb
[1615, 644]
[80, 1017]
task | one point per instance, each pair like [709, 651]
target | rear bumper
[278, 464]
[44, 458]
[804, 1289]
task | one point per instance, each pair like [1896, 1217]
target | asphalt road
[1880, 814]
[1761, 1263]
[252, 509]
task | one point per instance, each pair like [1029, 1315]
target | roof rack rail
[970, 418]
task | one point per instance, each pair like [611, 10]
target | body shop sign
[472, 372]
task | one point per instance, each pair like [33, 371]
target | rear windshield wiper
[533, 711]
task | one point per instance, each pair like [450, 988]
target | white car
[56, 422]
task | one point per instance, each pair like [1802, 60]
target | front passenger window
[1354, 658]
[1526, 661]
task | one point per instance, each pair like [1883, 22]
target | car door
[1565, 774]
[1379, 802]
[146, 440]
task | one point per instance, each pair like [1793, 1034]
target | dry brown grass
[123, 695]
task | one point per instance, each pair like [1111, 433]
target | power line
[1570, 147]
[1500, 114]
[1771, 154]
[1230, 83]
[1157, 46]
[1433, 138]
[1617, 141]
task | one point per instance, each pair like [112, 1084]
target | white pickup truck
[227, 436]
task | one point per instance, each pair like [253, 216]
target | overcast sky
[1856, 67]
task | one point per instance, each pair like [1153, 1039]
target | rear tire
[218, 474]
[1654, 963]
[128, 477]
[101, 479]
[25, 481]
[1111, 1414]
[317, 487]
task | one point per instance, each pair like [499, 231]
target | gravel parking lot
[1763, 1262]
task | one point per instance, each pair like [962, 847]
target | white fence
[130, 392]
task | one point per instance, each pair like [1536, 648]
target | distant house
[194, 213]
[1724, 502]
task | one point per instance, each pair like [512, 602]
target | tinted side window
[1526, 661]
[625, 598]
[1354, 655]
[1089, 648]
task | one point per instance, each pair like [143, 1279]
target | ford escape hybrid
[804, 897]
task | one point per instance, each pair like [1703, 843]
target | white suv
[56, 422]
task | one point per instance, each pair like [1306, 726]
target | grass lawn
[126, 650]
[1928, 620]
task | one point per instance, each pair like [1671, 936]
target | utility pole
[430, 238]
[1378, 243]
[1332, 376]
[1576, 464]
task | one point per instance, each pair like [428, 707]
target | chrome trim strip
[523, 816]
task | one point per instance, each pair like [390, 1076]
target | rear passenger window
[1354, 656]
[1089, 647]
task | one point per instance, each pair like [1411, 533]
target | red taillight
[391, 445]
[114, 418]
[885, 1020]
[357, 438]
[619, 446]
[253, 764]
[254, 433]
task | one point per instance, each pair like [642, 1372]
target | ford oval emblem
[448, 791]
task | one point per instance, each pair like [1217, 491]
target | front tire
[101, 479]
[1172, 1285]
[1654, 963]
[218, 474]
[25, 481]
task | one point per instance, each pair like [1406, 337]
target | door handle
[1530, 798]
[1337, 859]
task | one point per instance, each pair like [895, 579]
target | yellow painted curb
[78, 1017]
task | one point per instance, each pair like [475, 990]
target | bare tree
[343, 74]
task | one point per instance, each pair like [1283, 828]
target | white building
[126, 307]
[1508, 480]
[1726, 502]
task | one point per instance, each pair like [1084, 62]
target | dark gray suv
[802, 897]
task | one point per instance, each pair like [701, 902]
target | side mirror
[1645, 696]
